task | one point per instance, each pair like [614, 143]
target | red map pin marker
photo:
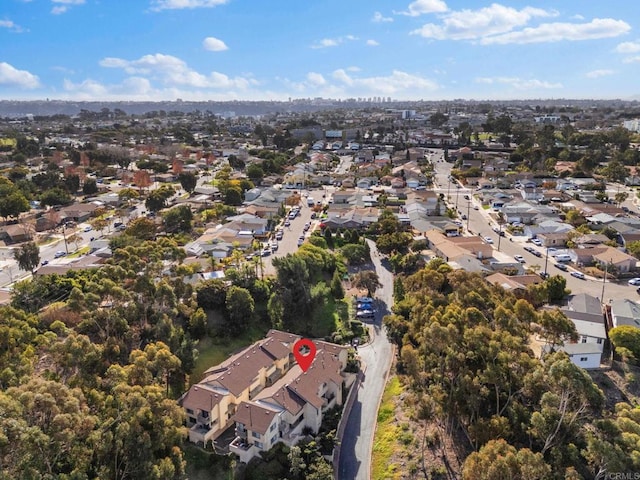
[305, 351]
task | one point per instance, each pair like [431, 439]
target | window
[584, 339]
[273, 427]
[255, 434]
[273, 439]
[258, 444]
[205, 414]
[189, 411]
[584, 359]
[600, 341]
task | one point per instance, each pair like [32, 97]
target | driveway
[355, 452]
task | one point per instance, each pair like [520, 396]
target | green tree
[366, 279]
[55, 196]
[337, 290]
[556, 328]
[178, 219]
[141, 228]
[626, 336]
[255, 173]
[157, 199]
[188, 181]
[90, 187]
[27, 256]
[211, 294]
[556, 287]
[499, 460]
[240, 308]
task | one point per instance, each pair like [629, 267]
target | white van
[563, 257]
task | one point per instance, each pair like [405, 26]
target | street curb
[344, 417]
[375, 424]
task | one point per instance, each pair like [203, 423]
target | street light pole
[468, 213]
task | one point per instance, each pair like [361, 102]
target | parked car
[59, 253]
[300, 241]
[488, 240]
[365, 314]
[519, 258]
[279, 235]
[87, 228]
[579, 275]
[287, 223]
[561, 266]
[536, 241]
[634, 281]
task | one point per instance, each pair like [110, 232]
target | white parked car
[519, 258]
[489, 240]
[634, 281]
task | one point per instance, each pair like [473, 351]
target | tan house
[450, 248]
[621, 261]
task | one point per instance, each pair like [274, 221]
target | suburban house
[450, 248]
[625, 312]
[585, 311]
[265, 394]
[517, 284]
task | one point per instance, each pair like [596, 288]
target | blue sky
[280, 49]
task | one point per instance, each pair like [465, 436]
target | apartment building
[264, 393]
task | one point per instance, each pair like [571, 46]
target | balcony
[201, 433]
[246, 451]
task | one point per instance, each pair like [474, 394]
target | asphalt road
[479, 222]
[355, 451]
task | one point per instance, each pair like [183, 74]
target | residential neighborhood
[185, 252]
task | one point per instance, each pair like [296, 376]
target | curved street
[355, 453]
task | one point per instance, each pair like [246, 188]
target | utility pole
[604, 280]
[64, 235]
[468, 213]
[546, 261]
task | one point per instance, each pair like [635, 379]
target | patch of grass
[385, 442]
[79, 253]
[325, 319]
[203, 465]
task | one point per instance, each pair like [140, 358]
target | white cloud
[173, 71]
[556, 32]
[379, 18]
[62, 6]
[599, 73]
[372, 43]
[11, 76]
[634, 59]
[9, 24]
[473, 24]
[628, 47]
[182, 4]
[214, 44]
[333, 42]
[518, 83]
[422, 7]
[316, 79]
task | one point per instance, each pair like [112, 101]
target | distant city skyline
[222, 50]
